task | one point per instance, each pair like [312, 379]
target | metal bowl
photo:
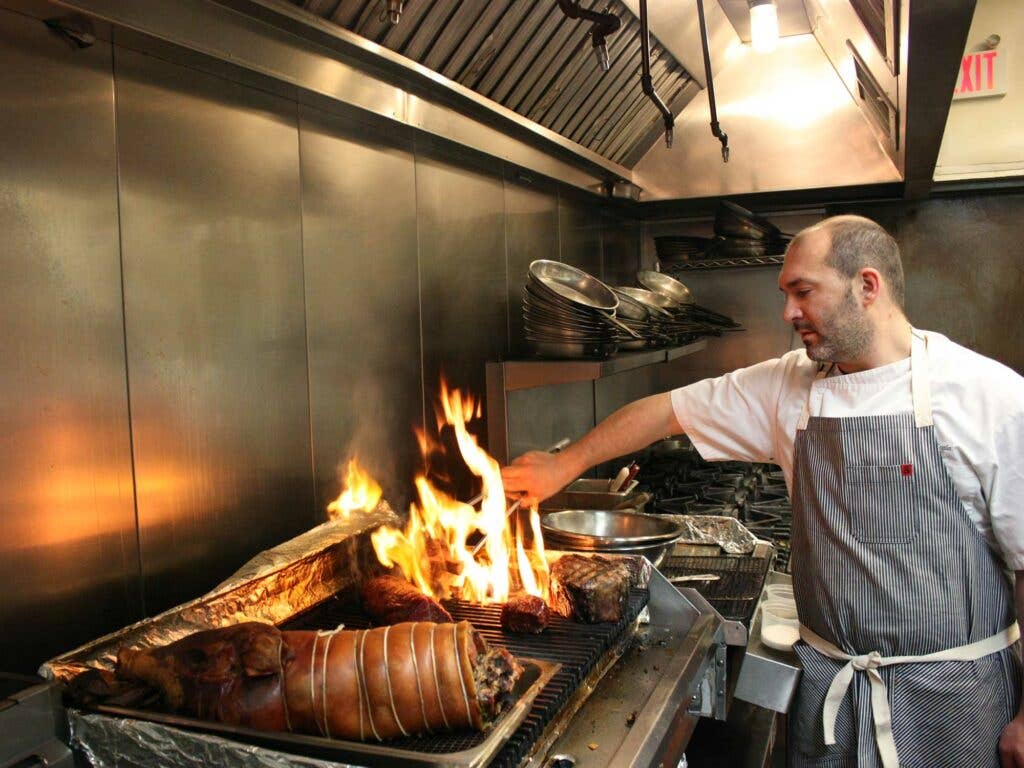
[601, 529]
[665, 285]
[662, 305]
[573, 284]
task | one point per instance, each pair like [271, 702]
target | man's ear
[870, 285]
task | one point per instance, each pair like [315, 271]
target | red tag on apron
[906, 470]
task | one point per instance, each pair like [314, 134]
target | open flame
[433, 551]
[360, 492]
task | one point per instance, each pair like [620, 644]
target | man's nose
[790, 311]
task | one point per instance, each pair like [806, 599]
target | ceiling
[528, 56]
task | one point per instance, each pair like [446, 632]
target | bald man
[904, 456]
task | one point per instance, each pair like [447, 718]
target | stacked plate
[571, 314]
[673, 249]
[744, 234]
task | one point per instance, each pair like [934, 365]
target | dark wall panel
[212, 246]
[362, 303]
[463, 291]
[531, 224]
[68, 560]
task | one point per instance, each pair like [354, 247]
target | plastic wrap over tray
[272, 587]
[727, 532]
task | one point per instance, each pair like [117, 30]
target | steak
[526, 614]
[392, 600]
[591, 589]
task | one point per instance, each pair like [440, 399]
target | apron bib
[907, 618]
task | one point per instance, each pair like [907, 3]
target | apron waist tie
[871, 662]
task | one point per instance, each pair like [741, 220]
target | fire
[433, 551]
[360, 492]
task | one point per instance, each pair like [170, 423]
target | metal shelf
[730, 263]
[524, 374]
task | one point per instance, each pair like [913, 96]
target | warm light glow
[360, 492]
[764, 26]
[434, 550]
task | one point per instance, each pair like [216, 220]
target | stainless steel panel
[541, 416]
[531, 226]
[621, 245]
[68, 556]
[212, 248]
[362, 302]
[463, 292]
[579, 234]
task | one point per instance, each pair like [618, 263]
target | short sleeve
[1004, 488]
[732, 417]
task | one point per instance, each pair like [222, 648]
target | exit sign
[982, 74]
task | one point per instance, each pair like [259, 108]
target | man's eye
[803, 292]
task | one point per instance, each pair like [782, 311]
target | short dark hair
[857, 242]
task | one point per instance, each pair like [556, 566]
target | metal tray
[536, 675]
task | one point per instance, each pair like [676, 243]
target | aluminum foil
[727, 532]
[272, 587]
[125, 743]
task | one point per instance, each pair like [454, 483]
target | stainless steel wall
[216, 295]
[362, 302]
[68, 556]
[213, 282]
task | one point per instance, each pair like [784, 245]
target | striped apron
[907, 617]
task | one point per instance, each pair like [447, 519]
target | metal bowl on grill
[611, 532]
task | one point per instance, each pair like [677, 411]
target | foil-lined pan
[726, 532]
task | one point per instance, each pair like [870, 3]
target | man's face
[821, 304]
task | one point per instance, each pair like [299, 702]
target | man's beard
[843, 335]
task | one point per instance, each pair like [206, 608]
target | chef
[904, 457]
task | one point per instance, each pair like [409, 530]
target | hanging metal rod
[645, 75]
[716, 129]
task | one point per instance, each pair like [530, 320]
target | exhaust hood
[842, 101]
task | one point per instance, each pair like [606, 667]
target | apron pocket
[882, 504]
[949, 714]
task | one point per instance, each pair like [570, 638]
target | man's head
[843, 281]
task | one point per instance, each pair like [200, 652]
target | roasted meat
[390, 600]
[399, 680]
[526, 614]
[591, 589]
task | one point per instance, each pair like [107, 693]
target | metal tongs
[514, 506]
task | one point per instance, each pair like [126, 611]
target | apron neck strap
[920, 383]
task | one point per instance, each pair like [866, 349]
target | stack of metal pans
[679, 301]
[570, 314]
[744, 234]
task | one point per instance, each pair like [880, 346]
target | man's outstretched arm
[537, 475]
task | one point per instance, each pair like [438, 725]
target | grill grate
[736, 592]
[576, 647]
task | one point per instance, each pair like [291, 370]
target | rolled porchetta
[400, 680]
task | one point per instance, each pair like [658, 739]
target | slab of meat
[525, 613]
[399, 680]
[592, 589]
[390, 600]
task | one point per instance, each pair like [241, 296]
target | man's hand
[537, 475]
[1011, 745]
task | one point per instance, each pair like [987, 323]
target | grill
[579, 651]
[734, 595]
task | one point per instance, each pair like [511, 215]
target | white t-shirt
[977, 405]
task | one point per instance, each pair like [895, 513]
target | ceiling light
[764, 25]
